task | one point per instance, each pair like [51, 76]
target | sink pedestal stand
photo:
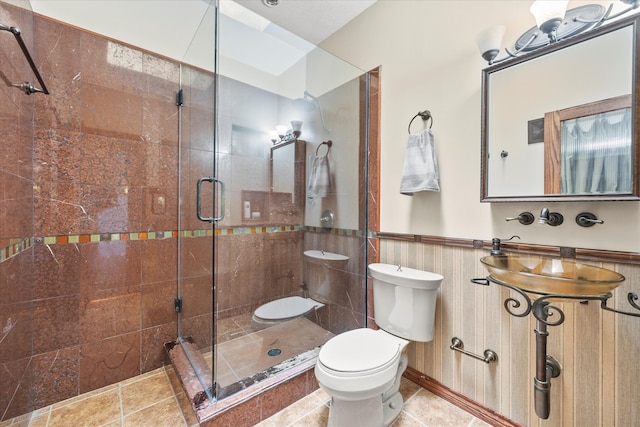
[547, 314]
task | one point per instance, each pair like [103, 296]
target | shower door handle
[199, 199]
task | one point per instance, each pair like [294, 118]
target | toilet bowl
[361, 369]
[283, 309]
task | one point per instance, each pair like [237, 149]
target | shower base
[247, 362]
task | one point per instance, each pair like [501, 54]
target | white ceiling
[168, 27]
[313, 20]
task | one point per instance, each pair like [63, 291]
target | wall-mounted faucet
[551, 218]
[587, 219]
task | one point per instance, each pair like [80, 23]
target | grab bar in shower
[26, 87]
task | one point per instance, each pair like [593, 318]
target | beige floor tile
[479, 423]
[187, 409]
[149, 390]
[94, 411]
[317, 418]
[322, 395]
[406, 420]
[166, 413]
[408, 388]
[39, 420]
[296, 410]
[87, 395]
[434, 411]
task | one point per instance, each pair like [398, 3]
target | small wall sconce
[554, 23]
[285, 134]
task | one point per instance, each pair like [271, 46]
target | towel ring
[424, 115]
[327, 143]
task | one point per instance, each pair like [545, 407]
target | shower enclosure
[246, 217]
[102, 256]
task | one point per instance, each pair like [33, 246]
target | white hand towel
[319, 178]
[420, 171]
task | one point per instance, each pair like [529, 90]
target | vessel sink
[543, 275]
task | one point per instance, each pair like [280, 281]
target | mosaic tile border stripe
[17, 246]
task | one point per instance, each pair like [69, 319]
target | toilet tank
[404, 300]
[325, 275]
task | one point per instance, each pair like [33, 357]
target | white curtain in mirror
[596, 153]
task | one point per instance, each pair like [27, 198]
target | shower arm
[26, 87]
[307, 94]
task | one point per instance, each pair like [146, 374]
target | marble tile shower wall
[93, 164]
[599, 350]
[345, 300]
[256, 268]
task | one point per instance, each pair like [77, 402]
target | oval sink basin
[543, 275]
[320, 257]
[405, 276]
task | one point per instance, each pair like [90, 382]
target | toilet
[361, 369]
[283, 309]
[324, 269]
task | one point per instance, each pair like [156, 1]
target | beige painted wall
[430, 61]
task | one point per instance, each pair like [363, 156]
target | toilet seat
[360, 352]
[286, 308]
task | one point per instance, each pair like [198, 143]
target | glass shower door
[198, 210]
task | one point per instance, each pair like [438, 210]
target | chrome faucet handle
[587, 219]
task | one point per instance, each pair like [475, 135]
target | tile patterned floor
[155, 399]
[149, 400]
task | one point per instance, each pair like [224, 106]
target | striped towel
[319, 178]
[420, 171]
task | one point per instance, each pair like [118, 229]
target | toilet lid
[359, 350]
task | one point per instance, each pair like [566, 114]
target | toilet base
[365, 413]
[359, 413]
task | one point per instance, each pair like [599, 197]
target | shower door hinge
[177, 304]
[179, 98]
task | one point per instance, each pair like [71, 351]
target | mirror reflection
[558, 123]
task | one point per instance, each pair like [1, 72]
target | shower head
[304, 104]
[308, 104]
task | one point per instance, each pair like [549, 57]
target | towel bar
[458, 345]
[26, 87]
[328, 143]
[424, 115]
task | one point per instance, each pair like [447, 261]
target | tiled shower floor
[247, 352]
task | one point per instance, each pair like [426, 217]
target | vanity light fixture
[283, 133]
[554, 23]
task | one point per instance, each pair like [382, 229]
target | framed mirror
[561, 123]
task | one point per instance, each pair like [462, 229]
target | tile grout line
[121, 403]
[175, 397]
